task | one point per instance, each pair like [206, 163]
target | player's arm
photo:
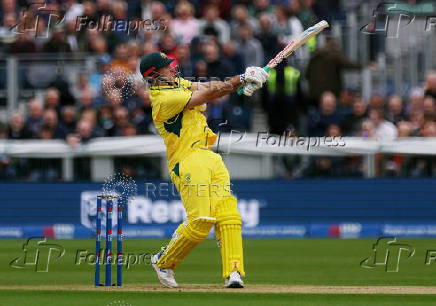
[208, 91]
[202, 93]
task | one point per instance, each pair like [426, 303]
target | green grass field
[281, 263]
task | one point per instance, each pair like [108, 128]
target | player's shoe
[166, 276]
[234, 280]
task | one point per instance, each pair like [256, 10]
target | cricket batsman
[198, 173]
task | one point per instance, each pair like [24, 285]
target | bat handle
[241, 89]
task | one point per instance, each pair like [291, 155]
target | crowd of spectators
[379, 118]
[215, 38]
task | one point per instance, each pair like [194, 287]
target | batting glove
[254, 75]
[250, 88]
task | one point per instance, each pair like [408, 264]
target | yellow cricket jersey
[181, 128]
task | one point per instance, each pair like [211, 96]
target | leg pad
[185, 238]
[228, 234]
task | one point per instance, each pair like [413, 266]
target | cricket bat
[294, 45]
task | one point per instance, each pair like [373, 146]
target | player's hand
[250, 88]
[254, 75]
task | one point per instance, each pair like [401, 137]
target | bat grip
[241, 89]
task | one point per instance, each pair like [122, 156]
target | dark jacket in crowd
[324, 72]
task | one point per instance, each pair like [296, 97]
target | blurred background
[73, 107]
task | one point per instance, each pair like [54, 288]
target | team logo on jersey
[188, 177]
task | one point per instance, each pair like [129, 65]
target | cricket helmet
[152, 62]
